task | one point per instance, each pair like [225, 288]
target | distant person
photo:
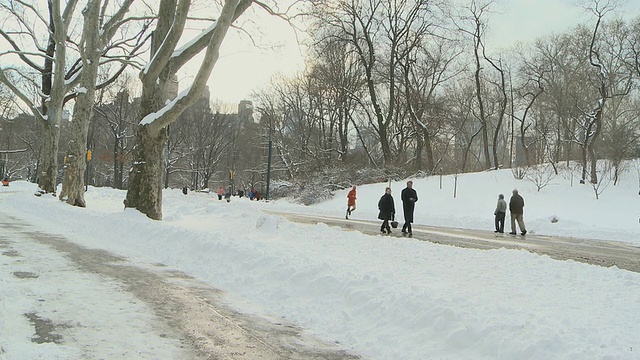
[409, 197]
[252, 193]
[185, 190]
[220, 192]
[516, 207]
[387, 210]
[227, 195]
[500, 213]
[351, 201]
[5, 182]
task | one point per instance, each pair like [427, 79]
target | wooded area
[390, 89]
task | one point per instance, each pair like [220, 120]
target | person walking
[220, 192]
[227, 195]
[500, 213]
[351, 202]
[387, 210]
[409, 197]
[516, 207]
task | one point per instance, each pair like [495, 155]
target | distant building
[245, 111]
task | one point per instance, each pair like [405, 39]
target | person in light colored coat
[500, 213]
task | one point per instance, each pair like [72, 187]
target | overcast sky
[243, 67]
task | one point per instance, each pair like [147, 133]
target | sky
[378, 296]
[246, 65]
[243, 67]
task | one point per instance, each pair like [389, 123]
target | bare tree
[593, 120]
[54, 85]
[145, 182]
[115, 121]
[425, 71]
[478, 11]
[541, 175]
[376, 31]
[97, 34]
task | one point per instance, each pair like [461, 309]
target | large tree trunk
[73, 182]
[145, 180]
[47, 178]
[76, 164]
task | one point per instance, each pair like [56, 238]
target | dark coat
[409, 198]
[386, 207]
[516, 204]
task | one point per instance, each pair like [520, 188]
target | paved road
[596, 252]
[191, 312]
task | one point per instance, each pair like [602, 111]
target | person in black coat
[387, 210]
[516, 207]
[409, 197]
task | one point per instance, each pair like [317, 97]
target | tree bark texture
[49, 161]
[76, 164]
[145, 179]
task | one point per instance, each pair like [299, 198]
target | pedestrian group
[409, 197]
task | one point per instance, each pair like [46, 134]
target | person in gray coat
[516, 207]
[500, 213]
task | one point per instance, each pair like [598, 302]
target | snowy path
[83, 303]
[595, 252]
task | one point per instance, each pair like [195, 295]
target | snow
[156, 115]
[381, 297]
[205, 32]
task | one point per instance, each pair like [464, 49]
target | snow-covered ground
[382, 297]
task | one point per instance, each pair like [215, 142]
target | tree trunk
[145, 180]
[592, 144]
[76, 165]
[73, 182]
[117, 179]
[47, 178]
[584, 163]
[428, 151]
[419, 146]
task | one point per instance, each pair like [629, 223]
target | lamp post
[86, 170]
[269, 162]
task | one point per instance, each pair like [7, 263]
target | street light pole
[269, 163]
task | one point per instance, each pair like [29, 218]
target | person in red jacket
[351, 202]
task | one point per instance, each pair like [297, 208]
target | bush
[322, 185]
